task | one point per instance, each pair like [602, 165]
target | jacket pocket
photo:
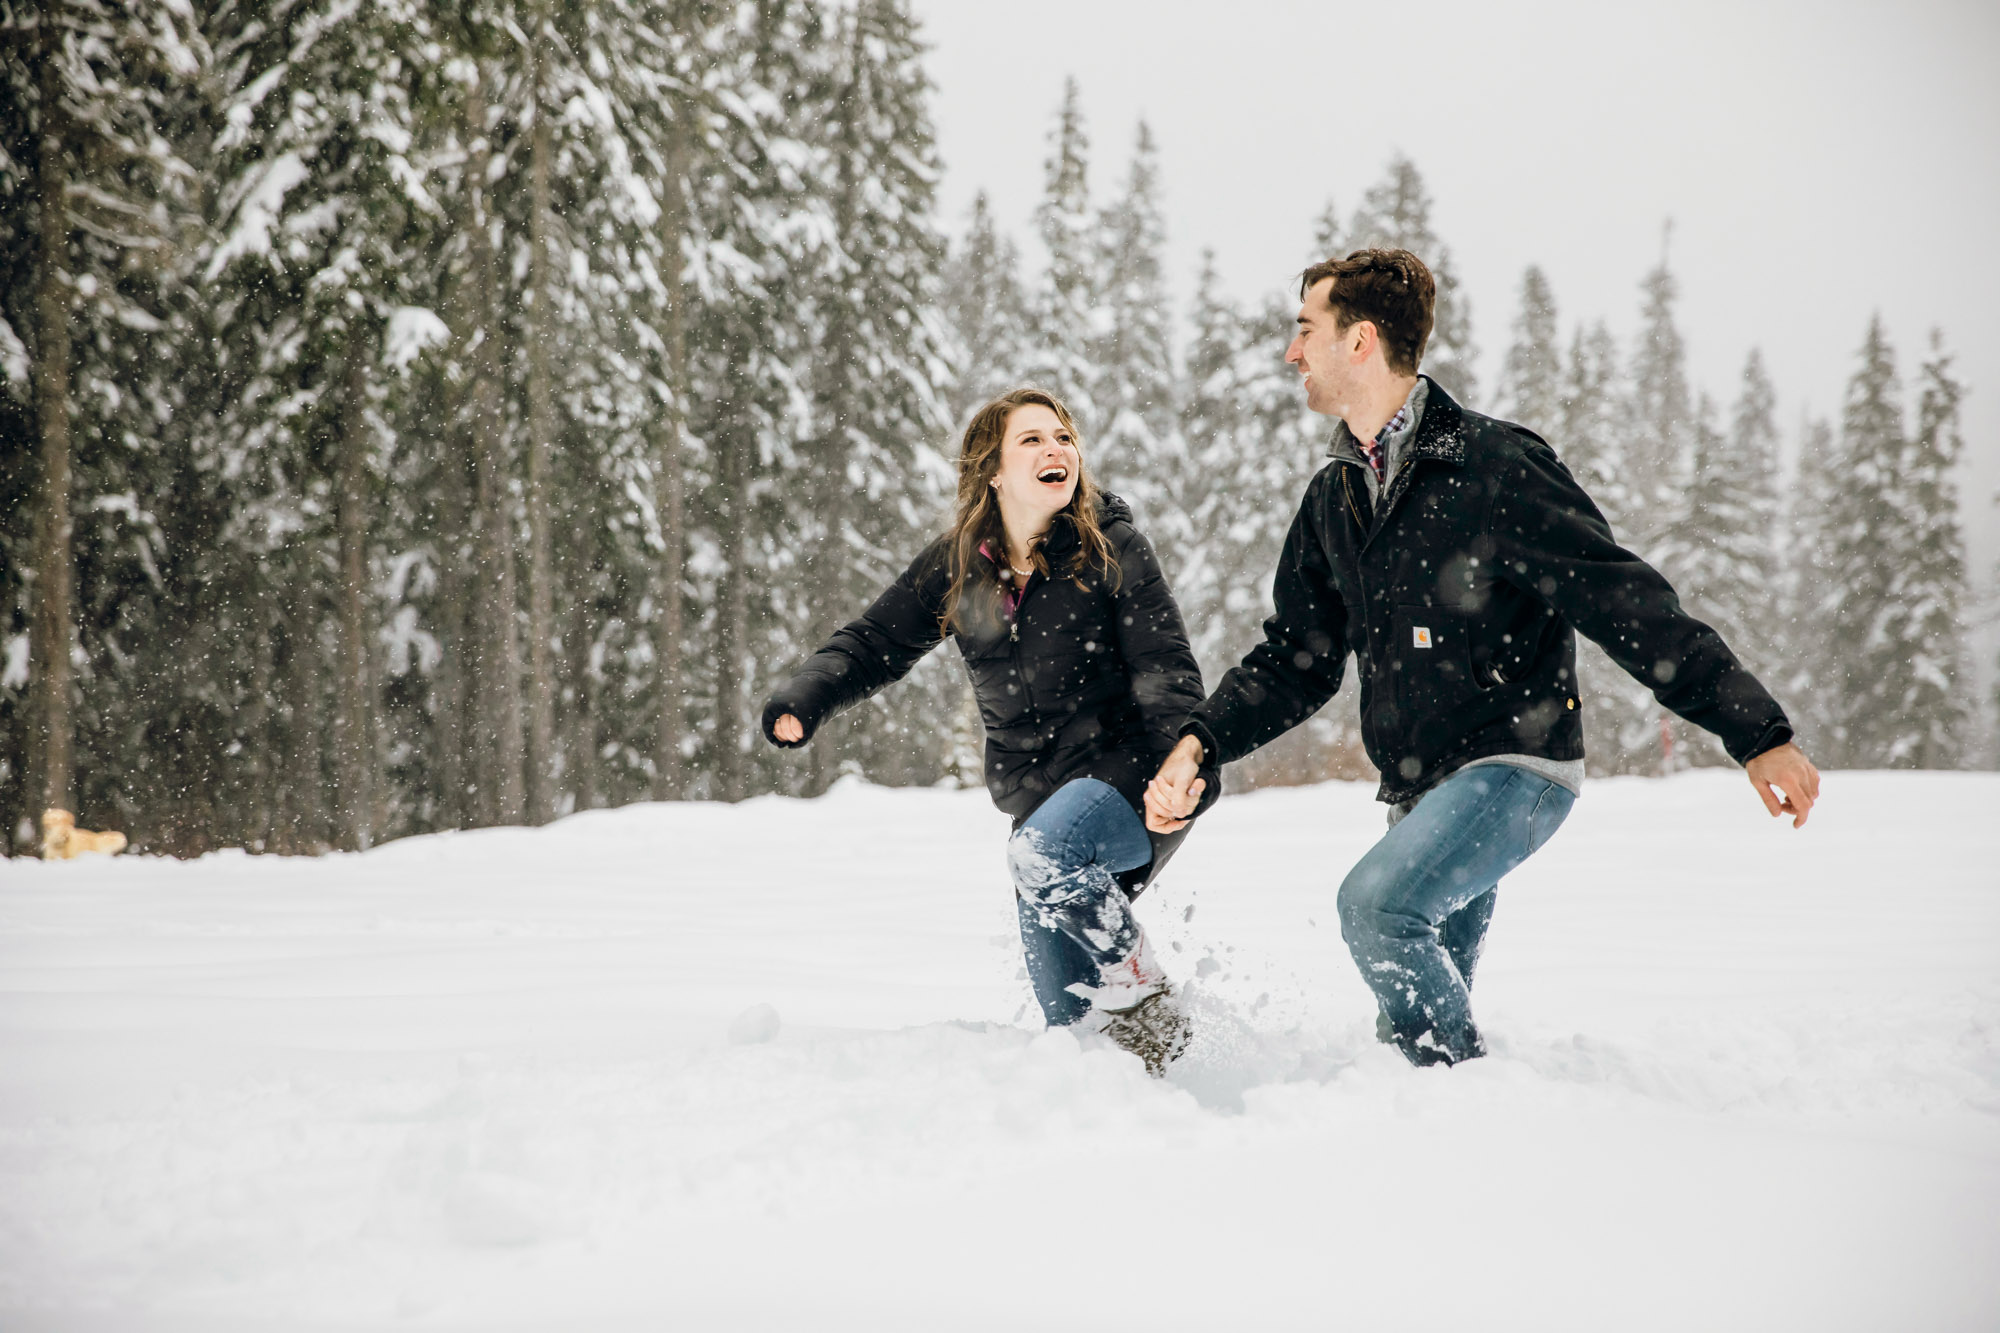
[1429, 661]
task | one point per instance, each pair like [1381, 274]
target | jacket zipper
[1347, 490]
[1014, 647]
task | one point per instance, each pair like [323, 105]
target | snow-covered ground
[1743, 1078]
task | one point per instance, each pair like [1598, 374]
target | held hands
[1175, 791]
[1784, 768]
[789, 729]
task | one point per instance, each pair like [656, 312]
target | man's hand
[789, 729]
[1785, 768]
[1175, 791]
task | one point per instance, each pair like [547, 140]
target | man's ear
[1361, 339]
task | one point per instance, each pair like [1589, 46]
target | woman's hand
[1175, 791]
[789, 729]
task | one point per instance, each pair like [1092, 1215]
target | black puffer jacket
[1091, 680]
[1456, 596]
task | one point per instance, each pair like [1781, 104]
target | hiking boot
[1155, 1029]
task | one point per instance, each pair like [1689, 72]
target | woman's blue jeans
[1414, 911]
[1065, 859]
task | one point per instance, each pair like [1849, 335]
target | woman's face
[1039, 464]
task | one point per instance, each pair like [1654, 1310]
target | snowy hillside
[1743, 1078]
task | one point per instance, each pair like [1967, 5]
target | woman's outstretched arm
[867, 653]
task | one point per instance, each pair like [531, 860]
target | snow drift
[774, 1066]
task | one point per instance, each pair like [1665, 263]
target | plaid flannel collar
[1372, 449]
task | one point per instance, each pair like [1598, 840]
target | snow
[14, 663]
[262, 200]
[412, 331]
[15, 367]
[772, 1066]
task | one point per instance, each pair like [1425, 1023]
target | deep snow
[773, 1066]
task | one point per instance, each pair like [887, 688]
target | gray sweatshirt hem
[1565, 773]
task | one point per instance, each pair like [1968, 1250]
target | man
[1452, 553]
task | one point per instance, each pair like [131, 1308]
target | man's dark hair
[1392, 290]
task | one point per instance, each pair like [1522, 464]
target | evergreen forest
[425, 416]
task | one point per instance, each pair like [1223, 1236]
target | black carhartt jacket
[1457, 597]
[1089, 678]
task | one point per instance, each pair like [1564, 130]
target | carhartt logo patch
[1421, 637]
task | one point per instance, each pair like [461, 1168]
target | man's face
[1326, 355]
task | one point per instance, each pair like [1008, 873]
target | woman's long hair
[977, 521]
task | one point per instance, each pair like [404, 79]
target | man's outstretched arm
[1549, 537]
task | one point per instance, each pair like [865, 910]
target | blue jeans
[1414, 910]
[1075, 919]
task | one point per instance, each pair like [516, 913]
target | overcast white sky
[1820, 161]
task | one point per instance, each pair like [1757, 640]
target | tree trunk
[52, 630]
[352, 742]
[451, 680]
[835, 371]
[300, 824]
[582, 720]
[259, 807]
[733, 631]
[541, 433]
[500, 741]
[669, 766]
[451, 522]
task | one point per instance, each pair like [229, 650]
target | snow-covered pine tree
[765, 225]
[1136, 447]
[273, 483]
[319, 253]
[1728, 576]
[876, 461]
[1326, 242]
[986, 313]
[1872, 667]
[538, 346]
[497, 730]
[1588, 413]
[1591, 444]
[1067, 325]
[1936, 708]
[94, 201]
[1736, 501]
[640, 93]
[1658, 442]
[1655, 453]
[1810, 647]
[1396, 213]
[1530, 392]
[1214, 420]
[1251, 448]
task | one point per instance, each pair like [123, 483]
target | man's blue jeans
[1414, 911]
[1075, 918]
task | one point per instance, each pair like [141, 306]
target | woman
[1084, 676]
